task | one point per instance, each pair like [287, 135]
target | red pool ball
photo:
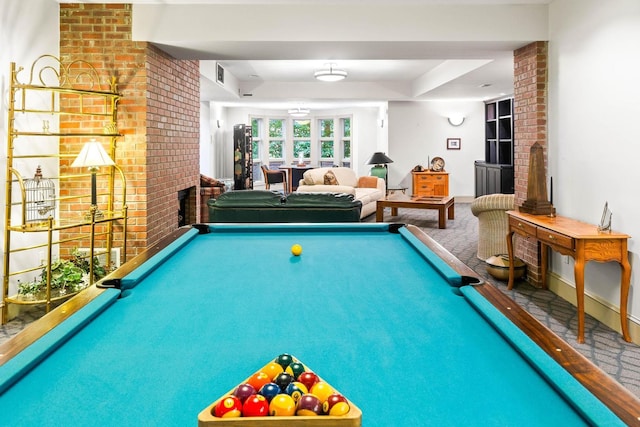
[228, 407]
[308, 379]
[256, 405]
[308, 405]
[243, 391]
[336, 404]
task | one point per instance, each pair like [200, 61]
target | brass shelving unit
[72, 92]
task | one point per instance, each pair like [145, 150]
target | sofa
[493, 223]
[252, 206]
[366, 189]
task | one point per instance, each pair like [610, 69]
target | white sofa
[367, 189]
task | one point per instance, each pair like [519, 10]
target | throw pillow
[368, 182]
[330, 179]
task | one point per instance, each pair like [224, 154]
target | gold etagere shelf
[56, 91]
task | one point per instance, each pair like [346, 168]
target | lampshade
[330, 74]
[299, 112]
[92, 155]
[379, 158]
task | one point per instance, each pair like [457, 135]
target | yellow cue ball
[296, 249]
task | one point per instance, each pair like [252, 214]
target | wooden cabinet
[426, 184]
[495, 173]
[493, 178]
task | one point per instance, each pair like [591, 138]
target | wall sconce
[455, 120]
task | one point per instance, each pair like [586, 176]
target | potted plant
[67, 276]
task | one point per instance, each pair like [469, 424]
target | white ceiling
[280, 74]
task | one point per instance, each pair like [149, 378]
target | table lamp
[380, 160]
[93, 156]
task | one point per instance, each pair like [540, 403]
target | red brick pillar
[530, 126]
[158, 115]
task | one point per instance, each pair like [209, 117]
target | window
[326, 139]
[302, 138]
[256, 138]
[277, 136]
[345, 127]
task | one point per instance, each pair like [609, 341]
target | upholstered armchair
[493, 223]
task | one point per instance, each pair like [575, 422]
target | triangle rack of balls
[283, 392]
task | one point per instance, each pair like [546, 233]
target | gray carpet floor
[603, 346]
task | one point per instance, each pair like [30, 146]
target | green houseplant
[67, 276]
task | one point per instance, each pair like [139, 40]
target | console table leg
[624, 297]
[578, 271]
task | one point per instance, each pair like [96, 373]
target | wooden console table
[579, 240]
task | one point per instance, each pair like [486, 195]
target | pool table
[380, 311]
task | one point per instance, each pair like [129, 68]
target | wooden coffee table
[442, 204]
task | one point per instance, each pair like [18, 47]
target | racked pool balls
[295, 390]
[295, 369]
[228, 407]
[269, 390]
[308, 405]
[336, 404]
[256, 405]
[284, 360]
[282, 405]
[243, 391]
[283, 380]
[272, 369]
[321, 390]
[258, 379]
[308, 379]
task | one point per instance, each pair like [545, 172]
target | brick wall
[530, 126]
[158, 116]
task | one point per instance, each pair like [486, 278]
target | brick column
[530, 126]
[158, 115]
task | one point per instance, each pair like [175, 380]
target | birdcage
[40, 198]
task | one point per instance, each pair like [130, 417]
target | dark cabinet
[495, 173]
[242, 158]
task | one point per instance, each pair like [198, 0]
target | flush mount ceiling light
[298, 112]
[330, 74]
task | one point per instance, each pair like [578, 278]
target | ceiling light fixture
[299, 112]
[330, 74]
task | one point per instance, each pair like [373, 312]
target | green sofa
[270, 206]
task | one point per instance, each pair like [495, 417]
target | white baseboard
[596, 307]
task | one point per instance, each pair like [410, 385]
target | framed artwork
[453, 143]
[220, 74]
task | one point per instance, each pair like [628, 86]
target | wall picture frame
[219, 74]
[453, 143]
